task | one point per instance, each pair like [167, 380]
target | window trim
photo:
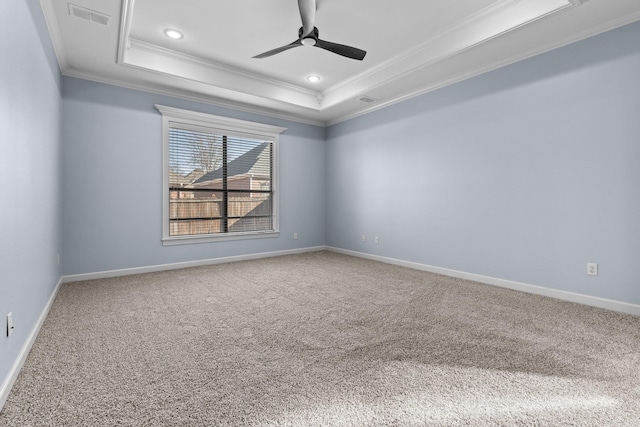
[211, 122]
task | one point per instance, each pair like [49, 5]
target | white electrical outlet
[377, 240]
[592, 269]
[364, 238]
[295, 236]
[9, 324]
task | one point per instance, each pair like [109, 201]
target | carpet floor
[323, 339]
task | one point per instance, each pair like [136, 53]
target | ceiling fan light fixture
[309, 41]
[313, 78]
[173, 34]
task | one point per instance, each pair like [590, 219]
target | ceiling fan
[308, 36]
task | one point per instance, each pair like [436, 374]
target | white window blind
[220, 182]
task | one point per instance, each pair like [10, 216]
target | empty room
[320, 213]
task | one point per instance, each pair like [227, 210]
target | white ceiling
[413, 46]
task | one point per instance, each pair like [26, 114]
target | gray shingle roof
[245, 164]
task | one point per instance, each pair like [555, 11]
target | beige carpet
[323, 339]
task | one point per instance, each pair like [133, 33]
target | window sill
[189, 240]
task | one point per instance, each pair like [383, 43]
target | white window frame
[217, 124]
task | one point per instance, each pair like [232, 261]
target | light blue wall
[30, 210]
[112, 179]
[526, 173]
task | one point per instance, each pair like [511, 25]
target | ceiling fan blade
[308, 15]
[340, 49]
[279, 49]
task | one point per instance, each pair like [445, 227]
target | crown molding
[224, 70]
[415, 50]
[140, 54]
[574, 38]
[491, 22]
[213, 100]
[164, 61]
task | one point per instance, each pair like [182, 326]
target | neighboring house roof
[194, 175]
[245, 164]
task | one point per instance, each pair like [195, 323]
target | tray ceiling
[413, 46]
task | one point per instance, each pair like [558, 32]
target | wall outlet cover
[9, 324]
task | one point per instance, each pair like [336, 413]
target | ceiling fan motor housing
[311, 38]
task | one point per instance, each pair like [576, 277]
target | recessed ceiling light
[174, 34]
[313, 78]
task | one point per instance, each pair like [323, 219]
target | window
[220, 178]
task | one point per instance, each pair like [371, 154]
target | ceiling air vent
[88, 14]
[367, 99]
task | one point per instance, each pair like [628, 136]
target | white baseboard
[608, 304]
[7, 385]
[187, 264]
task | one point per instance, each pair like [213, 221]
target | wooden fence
[202, 216]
